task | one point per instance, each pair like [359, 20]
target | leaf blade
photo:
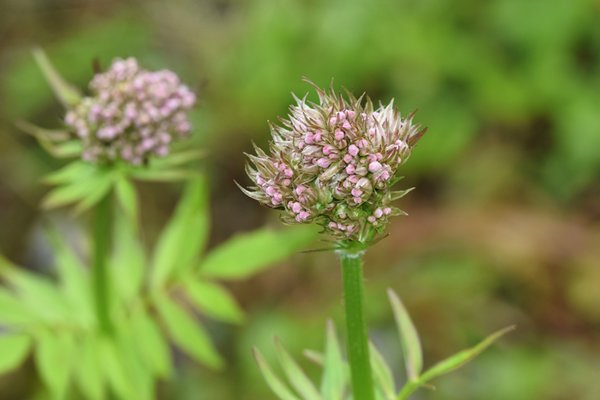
[409, 338]
[334, 379]
[274, 383]
[295, 375]
[14, 348]
[185, 233]
[214, 300]
[382, 373]
[461, 358]
[249, 253]
[187, 333]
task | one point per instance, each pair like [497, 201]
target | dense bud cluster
[131, 113]
[334, 163]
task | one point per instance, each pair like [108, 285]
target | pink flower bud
[374, 166]
[323, 162]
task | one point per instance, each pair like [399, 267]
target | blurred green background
[504, 225]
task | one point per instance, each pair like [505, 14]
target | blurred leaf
[187, 333]
[153, 347]
[164, 175]
[88, 191]
[14, 349]
[214, 300]
[409, 338]
[12, 311]
[139, 373]
[114, 369]
[89, 374]
[334, 370]
[55, 141]
[382, 373]
[185, 234]
[295, 375]
[54, 355]
[65, 92]
[40, 296]
[276, 385]
[128, 260]
[103, 187]
[176, 159]
[127, 198]
[463, 357]
[249, 253]
[72, 172]
[74, 279]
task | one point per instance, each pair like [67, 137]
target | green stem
[100, 277]
[357, 339]
[409, 388]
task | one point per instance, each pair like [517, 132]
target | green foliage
[335, 383]
[151, 306]
[246, 254]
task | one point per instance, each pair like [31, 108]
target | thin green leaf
[382, 373]
[409, 338]
[127, 198]
[314, 356]
[248, 253]
[88, 374]
[128, 261]
[68, 149]
[114, 369]
[65, 92]
[73, 277]
[177, 159]
[151, 343]
[166, 175]
[276, 385]
[103, 186]
[295, 375]
[334, 378]
[14, 348]
[13, 312]
[55, 141]
[52, 135]
[214, 300]
[54, 356]
[187, 333]
[39, 296]
[139, 373]
[87, 191]
[72, 172]
[461, 358]
[184, 235]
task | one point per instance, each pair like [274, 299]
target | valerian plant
[335, 163]
[335, 379]
[105, 323]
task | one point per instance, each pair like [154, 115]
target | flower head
[131, 113]
[334, 163]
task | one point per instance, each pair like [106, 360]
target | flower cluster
[334, 163]
[131, 114]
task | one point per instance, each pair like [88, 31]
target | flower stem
[357, 339]
[100, 278]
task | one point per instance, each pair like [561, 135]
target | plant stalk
[357, 339]
[100, 277]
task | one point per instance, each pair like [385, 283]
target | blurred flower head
[334, 163]
[131, 114]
